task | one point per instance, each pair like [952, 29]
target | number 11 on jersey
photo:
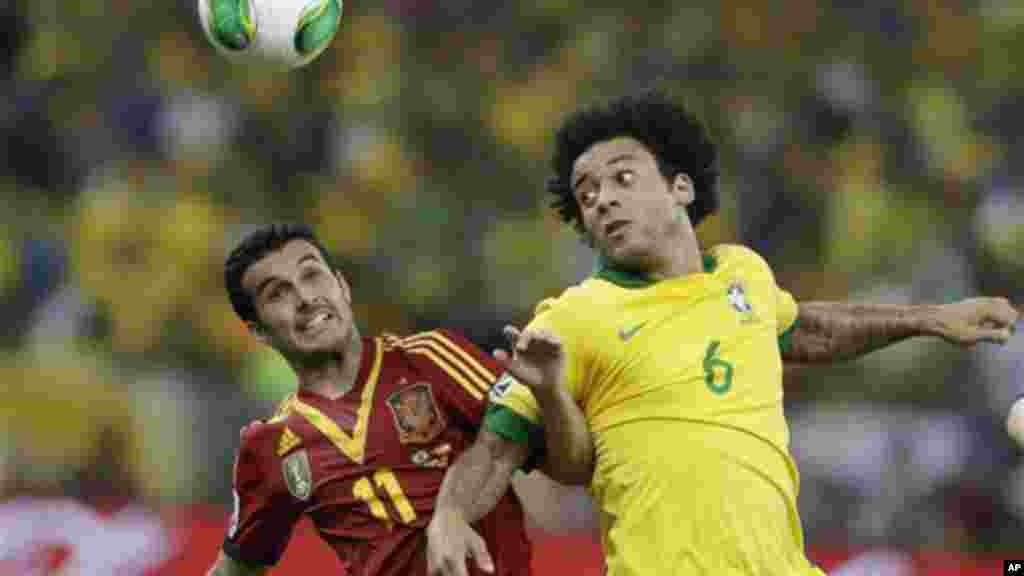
[386, 481]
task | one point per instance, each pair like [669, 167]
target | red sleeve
[264, 510]
[461, 372]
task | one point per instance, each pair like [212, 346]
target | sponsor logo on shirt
[627, 333]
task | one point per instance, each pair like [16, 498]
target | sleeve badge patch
[501, 387]
[416, 415]
[297, 475]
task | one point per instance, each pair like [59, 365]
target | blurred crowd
[869, 151]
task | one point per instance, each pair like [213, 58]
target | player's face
[304, 307]
[630, 211]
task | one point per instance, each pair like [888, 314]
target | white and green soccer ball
[285, 33]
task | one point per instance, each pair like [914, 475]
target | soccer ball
[285, 33]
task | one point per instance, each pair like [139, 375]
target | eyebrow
[309, 256]
[619, 158]
[266, 281]
[262, 285]
[615, 160]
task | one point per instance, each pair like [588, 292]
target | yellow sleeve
[509, 393]
[786, 311]
[513, 412]
[552, 316]
[785, 304]
[786, 308]
[558, 317]
[513, 415]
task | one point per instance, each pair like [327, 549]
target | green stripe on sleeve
[786, 338]
[513, 427]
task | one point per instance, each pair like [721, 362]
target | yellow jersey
[680, 381]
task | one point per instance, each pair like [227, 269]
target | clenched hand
[974, 320]
[450, 541]
[537, 358]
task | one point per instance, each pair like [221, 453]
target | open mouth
[614, 226]
[316, 321]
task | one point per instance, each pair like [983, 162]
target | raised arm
[538, 361]
[474, 484]
[479, 478]
[838, 331]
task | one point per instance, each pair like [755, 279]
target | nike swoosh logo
[627, 334]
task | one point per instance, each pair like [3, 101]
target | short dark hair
[256, 245]
[676, 138]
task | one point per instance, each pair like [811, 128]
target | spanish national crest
[297, 475]
[416, 415]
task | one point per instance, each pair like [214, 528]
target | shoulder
[257, 436]
[448, 351]
[433, 344]
[439, 337]
[737, 258]
[274, 437]
[258, 450]
[733, 254]
[572, 314]
[575, 298]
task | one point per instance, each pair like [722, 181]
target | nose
[306, 295]
[606, 198]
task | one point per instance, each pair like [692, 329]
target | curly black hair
[676, 138]
[257, 244]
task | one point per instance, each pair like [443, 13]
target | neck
[683, 257]
[333, 375]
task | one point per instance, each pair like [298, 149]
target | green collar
[633, 280]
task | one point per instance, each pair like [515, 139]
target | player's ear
[346, 291]
[683, 189]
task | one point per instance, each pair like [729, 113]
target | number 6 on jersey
[713, 361]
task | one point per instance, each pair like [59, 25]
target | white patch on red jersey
[233, 525]
[297, 475]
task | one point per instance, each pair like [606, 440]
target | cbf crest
[740, 302]
[416, 415]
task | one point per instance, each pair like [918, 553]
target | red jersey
[367, 467]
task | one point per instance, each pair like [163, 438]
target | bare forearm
[479, 477]
[838, 331]
[570, 449]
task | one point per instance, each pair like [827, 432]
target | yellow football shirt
[681, 384]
